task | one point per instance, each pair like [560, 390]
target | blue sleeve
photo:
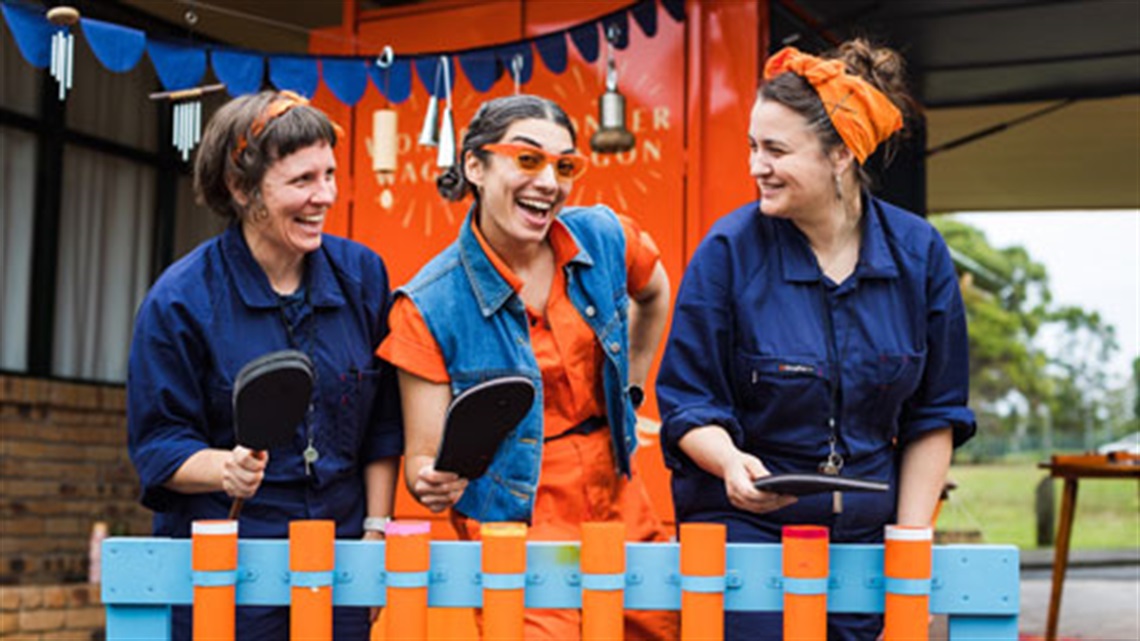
[384, 435]
[694, 385]
[166, 421]
[942, 397]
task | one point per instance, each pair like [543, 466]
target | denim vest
[481, 327]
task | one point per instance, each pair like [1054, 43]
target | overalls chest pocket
[896, 378]
[357, 394]
[780, 386]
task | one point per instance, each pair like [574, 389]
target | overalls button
[615, 347]
[590, 311]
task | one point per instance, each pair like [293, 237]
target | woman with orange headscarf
[819, 329]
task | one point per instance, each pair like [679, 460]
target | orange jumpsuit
[578, 481]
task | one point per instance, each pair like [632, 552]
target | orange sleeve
[410, 345]
[641, 255]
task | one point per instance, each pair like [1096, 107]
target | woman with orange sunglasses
[574, 299]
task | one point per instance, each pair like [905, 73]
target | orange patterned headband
[862, 115]
[278, 107]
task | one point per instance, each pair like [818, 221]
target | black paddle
[271, 396]
[477, 422]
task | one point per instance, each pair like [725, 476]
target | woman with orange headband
[271, 281]
[818, 330]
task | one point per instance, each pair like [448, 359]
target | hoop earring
[256, 212]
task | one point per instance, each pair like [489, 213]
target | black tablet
[477, 422]
[804, 484]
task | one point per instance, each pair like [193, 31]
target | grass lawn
[998, 500]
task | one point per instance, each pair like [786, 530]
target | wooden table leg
[1061, 555]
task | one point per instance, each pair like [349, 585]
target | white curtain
[193, 223]
[105, 247]
[19, 91]
[107, 215]
[17, 181]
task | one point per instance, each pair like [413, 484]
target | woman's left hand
[739, 476]
[437, 490]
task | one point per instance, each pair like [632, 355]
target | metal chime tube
[56, 57]
[197, 123]
[69, 57]
[186, 135]
[174, 126]
[431, 123]
[445, 157]
[179, 128]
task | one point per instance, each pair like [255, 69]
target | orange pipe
[408, 555]
[603, 571]
[805, 582]
[702, 559]
[213, 549]
[311, 550]
[504, 563]
[907, 566]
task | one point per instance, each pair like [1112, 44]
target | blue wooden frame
[976, 585]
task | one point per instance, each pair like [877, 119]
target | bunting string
[180, 65]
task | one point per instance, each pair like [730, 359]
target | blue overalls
[209, 314]
[765, 346]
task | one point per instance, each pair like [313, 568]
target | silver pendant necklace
[832, 465]
[310, 454]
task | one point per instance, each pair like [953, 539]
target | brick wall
[50, 613]
[63, 466]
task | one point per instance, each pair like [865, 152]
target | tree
[1061, 383]
[1136, 388]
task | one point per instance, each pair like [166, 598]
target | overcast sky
[1093, 258]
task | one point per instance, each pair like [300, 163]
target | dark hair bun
[882, 67]
[451, 184]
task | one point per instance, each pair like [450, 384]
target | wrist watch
[377, 524]
[636, 396]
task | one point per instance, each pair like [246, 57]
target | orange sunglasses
[532, 160]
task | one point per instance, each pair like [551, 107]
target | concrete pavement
[1099, 602]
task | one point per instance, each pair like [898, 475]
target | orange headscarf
[862, 115]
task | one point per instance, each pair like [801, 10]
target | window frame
[49, 127]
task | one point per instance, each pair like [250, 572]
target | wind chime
[186, 128]
[62, 46]
[612, 135]
[439, 132]
[517, 64]
[384, 141]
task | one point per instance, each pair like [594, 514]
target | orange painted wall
[688, 89]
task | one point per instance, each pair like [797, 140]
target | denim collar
[253, 285]
[875, 258]
[491, 289]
